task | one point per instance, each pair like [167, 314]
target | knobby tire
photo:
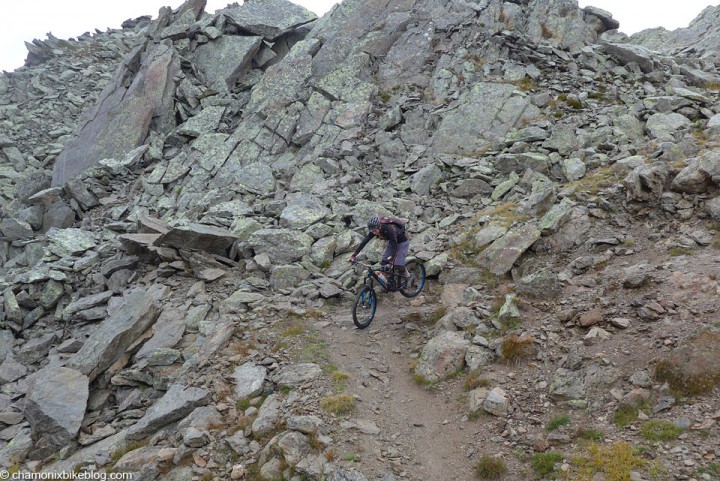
[364, 307]
[416, 282]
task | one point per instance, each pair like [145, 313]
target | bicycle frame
[371, 276]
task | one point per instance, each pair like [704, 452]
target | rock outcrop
[180, 197]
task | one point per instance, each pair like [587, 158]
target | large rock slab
[626, 53]
[87, 302]
[665, 126]
[11, 370]
[281, 82]
[12, 310]
[55, 406]
[119, 331]
[485, 115]
[17, 450]
[88, 455]
[178, 402]
[14, 229]
[302, 211]
[70, 242]
[200, 237]
[576, 384]
[268, 18]
[699, 174]
[284, 277]
[500, 256]
[140, 92]
[283, 246]
[224, 60]
[167, 332]
[422, 181]
[297, 374]
[268, 415]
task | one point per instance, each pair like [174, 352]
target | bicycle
[366, 298]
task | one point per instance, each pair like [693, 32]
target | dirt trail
[421, 433]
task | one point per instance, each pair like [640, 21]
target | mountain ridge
[185, 264]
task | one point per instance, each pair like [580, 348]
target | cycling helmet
[374, 222]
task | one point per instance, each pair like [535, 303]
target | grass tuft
[615, 461]
[474, 381]
[659, 430]
[514, 348]
[625, 415]
[544, 463]
[490, 467]
[437, 314]
[338, 404]
[557, 422]
[590, 434]
[680, 251]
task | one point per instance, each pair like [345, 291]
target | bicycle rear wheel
[416, 281]
[364, 307]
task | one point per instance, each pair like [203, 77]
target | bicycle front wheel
[364, 307]
[413, 285]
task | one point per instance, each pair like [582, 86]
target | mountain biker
[397, 243]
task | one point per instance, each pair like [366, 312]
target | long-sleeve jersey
[389, 232]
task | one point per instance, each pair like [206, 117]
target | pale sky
[24, 20]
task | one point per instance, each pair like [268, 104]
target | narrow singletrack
[421, 434]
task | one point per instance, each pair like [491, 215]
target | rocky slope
[180, 198]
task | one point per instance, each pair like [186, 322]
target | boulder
[178, 402]
[104, 346]
[55, 406]
[297, 374]
[626, 53]
[500, 256]
[281, 245]
[167, 332]
[268, 415]
[442, 356]
[121, 118]
[302, 211]
[206, 238]
[225, 59]
[268, 18]
[284, 277]
[70, 242]
[249, 380]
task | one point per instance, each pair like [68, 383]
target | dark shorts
[402, 252]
